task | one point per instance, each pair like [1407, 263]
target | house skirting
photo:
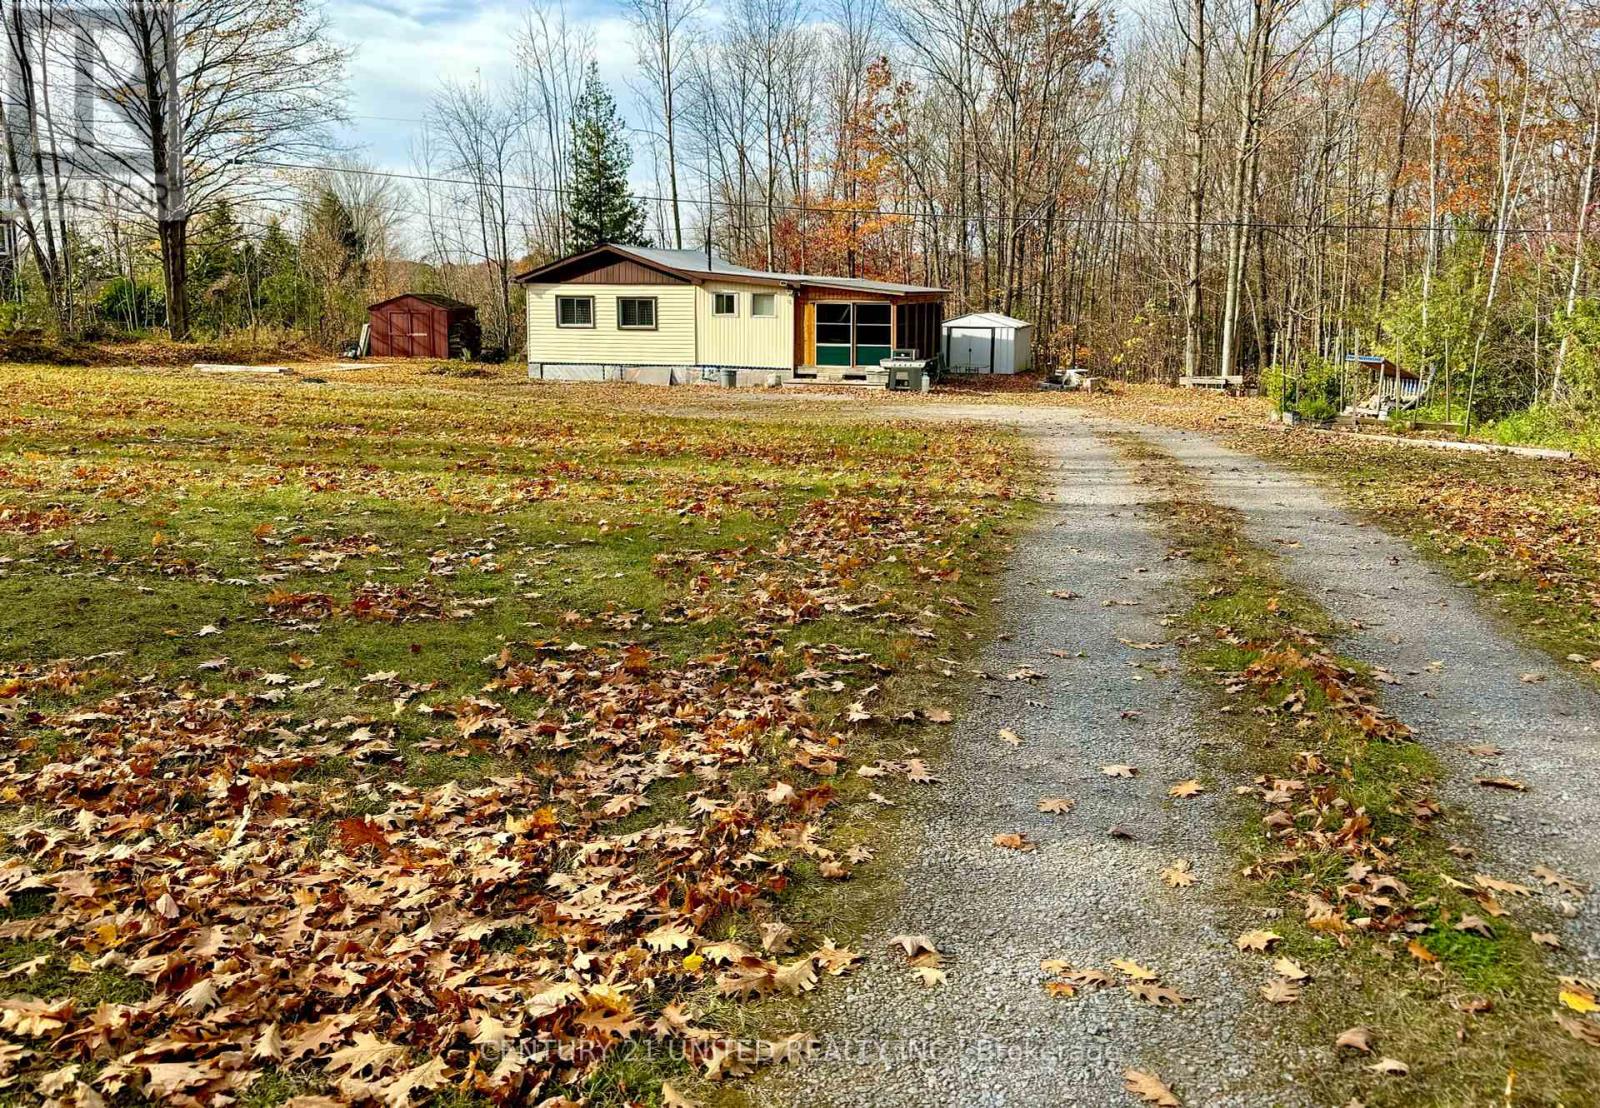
[744, 376]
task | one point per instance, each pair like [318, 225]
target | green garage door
[853, 334]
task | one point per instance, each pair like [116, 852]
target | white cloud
[404, 50]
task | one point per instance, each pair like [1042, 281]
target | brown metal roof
[695, 265]
[438, 300]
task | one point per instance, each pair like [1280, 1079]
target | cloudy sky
[405, 48]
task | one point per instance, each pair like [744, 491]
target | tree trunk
[175, 275]
[1197, 186]
[1585, 193]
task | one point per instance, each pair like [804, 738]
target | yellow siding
[742, 339]
[671, 343]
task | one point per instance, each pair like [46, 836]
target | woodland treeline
[1188, 186]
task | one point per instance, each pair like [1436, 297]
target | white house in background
[988, 342]
[676, 316]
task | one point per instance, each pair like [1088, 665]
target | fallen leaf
[672, 1098]
[1257, 940]
[1117, 770]
[1149, 1088]
[1393, 1067]
[1559, 881]
[914, 945]
[1055, 805]
[1584, 1031]
[929, 976]
[1502, 783]
[1280, 991]
[367, 1053]
[1180, 874]
[1187, 788]
[1420, 952]
[1011, 840]
[1134, 969]
[1355, 1038]
[1289, 968]
[1009, 736]
[1156, 994]
[1579, 1000]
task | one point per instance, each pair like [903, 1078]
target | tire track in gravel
[1459, 675]
[992, 1036]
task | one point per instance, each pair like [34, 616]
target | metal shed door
[972, 350]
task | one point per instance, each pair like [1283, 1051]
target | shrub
[1310, 390]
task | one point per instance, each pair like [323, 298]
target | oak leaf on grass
[1257, 940]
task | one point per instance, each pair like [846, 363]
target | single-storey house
[674, 316]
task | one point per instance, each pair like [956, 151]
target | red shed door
[423, 336]
[403, 333]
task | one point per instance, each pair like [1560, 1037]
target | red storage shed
[423, 325]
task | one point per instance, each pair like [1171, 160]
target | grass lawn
[437, 737]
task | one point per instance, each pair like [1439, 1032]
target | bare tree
[202, 94]
[34, 180]
[663, 36]
[476, 131]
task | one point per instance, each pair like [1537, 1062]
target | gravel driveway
[992, 1036]
[1459, 679]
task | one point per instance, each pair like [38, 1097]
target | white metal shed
[988, 342]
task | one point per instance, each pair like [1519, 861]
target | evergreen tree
[601, 207]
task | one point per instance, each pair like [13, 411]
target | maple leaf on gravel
[1179, 875]
[1187, 788]
[1150, 1089]
[1055, 805]
[1119, 770]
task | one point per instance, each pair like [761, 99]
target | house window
[574, 311]
[833, 334]
[764, 305]
[636, 313]
[725, 303]
[873, 333]
[853, 334]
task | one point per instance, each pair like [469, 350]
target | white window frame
[589, 326]
[755, 298]
[716, 304]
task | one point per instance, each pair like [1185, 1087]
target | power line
[1042, 220]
